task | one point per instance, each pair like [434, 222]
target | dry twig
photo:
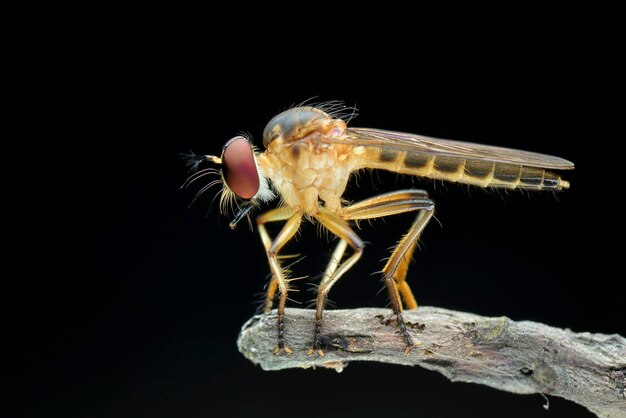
[519, 357]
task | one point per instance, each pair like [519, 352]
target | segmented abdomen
[467, 171]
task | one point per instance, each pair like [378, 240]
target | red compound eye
[239, 168]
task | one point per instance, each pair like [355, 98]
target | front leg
[275, 215]
[278, 275]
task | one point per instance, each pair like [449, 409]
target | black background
[129, 304]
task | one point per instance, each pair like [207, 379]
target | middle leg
[336, 268]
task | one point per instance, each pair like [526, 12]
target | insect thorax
[307, 171]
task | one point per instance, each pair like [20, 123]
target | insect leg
[274, 215]
[335, 260]
[339, 227]
[397, 266]
[289, 230]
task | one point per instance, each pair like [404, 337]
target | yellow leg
[335, 260]
[274, 215]
[336, 268]
[289, 230]
[396, 269]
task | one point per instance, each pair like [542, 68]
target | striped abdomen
[475, 172]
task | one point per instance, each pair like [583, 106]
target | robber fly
[309, 156]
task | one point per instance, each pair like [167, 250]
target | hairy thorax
[307, 171]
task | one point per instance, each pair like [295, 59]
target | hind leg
[396, 269]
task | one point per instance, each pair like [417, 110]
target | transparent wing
[400, 141]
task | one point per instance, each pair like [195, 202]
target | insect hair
[334, 108]
[337, 109]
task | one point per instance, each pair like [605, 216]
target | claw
[280, 349]
[408, 348]
[312, 350]
[405, 333]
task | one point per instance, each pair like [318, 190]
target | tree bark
[520, 357]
